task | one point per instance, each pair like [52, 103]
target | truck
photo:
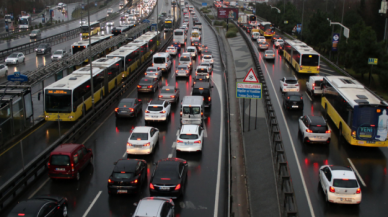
[314, 85]
[233, 4]
[182, 4]
[242, 19]
[8, 18]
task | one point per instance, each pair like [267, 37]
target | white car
[289, 84]
[208, 65]
[15, 58]
[261, 39]
[269, 55]
[340, 185]
[3, 70]
[255, 35]
[207, 59]
[279, 43]
[197, 29]
[157, 110]
[153, 72]
[190, 138]
[142, 140]
[313, 85]
[58, 55]
[172, 50]
[192, 50]
[110, 23]
[314, 129]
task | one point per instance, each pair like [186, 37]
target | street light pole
[90, 59]
[342, 21]
[301, 31]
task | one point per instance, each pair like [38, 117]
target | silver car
[279, 42]
[183, 71]
[58, 55]
[185, 59]
[169, 93]
[269, 55]
[36, 33]
[155, 206]
[153, 72]
[208, 65]
[263, 45]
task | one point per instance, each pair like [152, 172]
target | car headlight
[36, 49]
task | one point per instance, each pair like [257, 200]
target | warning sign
[251, 77]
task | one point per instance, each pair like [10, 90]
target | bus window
[310, 60]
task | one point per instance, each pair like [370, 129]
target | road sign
[146, 21]
[17, 77]
[286, 22]
[248, 90]
[335, 40]
[251, 77]
[372, 61]
[204, 4]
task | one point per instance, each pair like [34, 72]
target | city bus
[82, 45]
[266, 29]
[252, 19]
[360, 116]
[169, 24]
[302, 58]
[94, 29]
[115, 73]
[25, 22]
[69, 98]
[130, 59]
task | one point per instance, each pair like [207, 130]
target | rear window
[318, 128]
[159, 174]
[207, 57]
[155, 108]
[310, 60]
[184, 59]
[123, 175]
[191, 110]
[294, 98]
[182, 68]
[60, 160]
[202, 70]
[343, 183]
[178, 33]
[139, 136]
[291, 81]
[318, 83]
[151, 70]
[168, 91]
[201, 91]
[126, 104]
[159, 60]
[146, 81]
[190, 50]
[188, 136]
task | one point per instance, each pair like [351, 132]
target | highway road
[205, 193]
[305, 160]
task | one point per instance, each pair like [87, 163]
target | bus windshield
[168, 25]
[23, 21]
[58, 101]
[310, 60]
[84, 29]
[76, 49]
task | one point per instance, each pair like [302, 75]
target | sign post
[371, 61]
[250, 88]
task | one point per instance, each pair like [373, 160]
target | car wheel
[64, 211]
[17, 62]
[77, 176]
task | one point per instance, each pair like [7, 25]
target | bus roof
[93, 39]
[353, 91]
[105, 62]
[120, 53]
[72, 81]
[91, 23]
[301, 47]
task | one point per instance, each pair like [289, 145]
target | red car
[68, 160]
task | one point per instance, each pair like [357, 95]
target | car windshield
[184, 58]
[35, 31]
[182, 68]
[159, 60]
[168, 90]
[155, 108]
[294, 98]
[345, 183]
[60, 160]
[123, 175]
[126, 104]
[146, 81]
[58, 52]
[190, 50]
[188, 136]
[139, 136]
[291, 81]
[13, 55]
[191, 110]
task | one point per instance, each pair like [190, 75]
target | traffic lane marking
[92, 204]
[355, 170]
[38, 189]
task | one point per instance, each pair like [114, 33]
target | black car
[249, 28]
[196, 42]
[273, 38]
[48, 206]
[128, 107]
[177, 45]
[206, 52]
[43, 48]
[147, 85]
[169, 178]
[128, 176]
[120, 29]
[202, 47]
[203, 89]
[293, 100]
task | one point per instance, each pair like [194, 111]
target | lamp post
[90, 59]
[383, 11]
[277, 10]
[346, 32]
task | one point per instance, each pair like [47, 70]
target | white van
[162, 61]
[179, 36]
[192, 110]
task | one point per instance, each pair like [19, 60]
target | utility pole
[90, 60]
[383, 11]
[342, 21]
[301, 31]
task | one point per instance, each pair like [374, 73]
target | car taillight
[160, 96]
[134, 181]
[72, 167]
[332, 190]
[301, 67]
[180, 113]
[313, 86]
[209, 98]
[110, 181]
[172, 96]
[176, 71]
[285, 85]
[318, 67]
[201, 113]
[138, 86]
[199, 141]
[358, 191]
[147, 144]
[179, 141]
[48, 165]
[129, 144]
[165, 64]
[328, 131]
[21, 214]
[131, 109]
[152, 186]
[296, 85]
[146, 111]
[162, 112]
[178, 187]
[145, 73]
[116, 109]
[150, 86]
[309, 131]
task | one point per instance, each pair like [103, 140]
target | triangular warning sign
[251, 77]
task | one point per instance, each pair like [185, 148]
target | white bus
[25, 22]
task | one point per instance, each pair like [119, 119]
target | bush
[231, 34]
[40, 25]
[32, 27]
[211, 16]
[36, 26]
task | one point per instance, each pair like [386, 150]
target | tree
[319, 31]
[291, 15]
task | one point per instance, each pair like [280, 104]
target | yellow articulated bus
[82, 45]
[360, 115]
[70, 98]
[114, 68]
[302, 58]
[130, 59]
[94, 29]
[266, 29]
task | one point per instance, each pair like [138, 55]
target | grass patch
[219, 23]
[211, 17]
[231, 34]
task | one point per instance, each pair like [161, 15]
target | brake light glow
[285, 84]
[178, 187]
[209, 98]
[199, 141]
[138, 86]
[129, 144]
[152, 186]
[116, 109]
[147, 111]
[332, 190]
[309, 131]
[21, 214]
[147, 144]
[134, 181]
[131, 109]
[328, 131]
[162, 112]
[314, 86]
[150, 86]
[172, 96]
[358, 191]
[145, 73]
[165, 178]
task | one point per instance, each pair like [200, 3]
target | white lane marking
[308, 96]
[292, 145]
[169, 156]
[125, 153]
[355, 170]
[204, 131]
[173, 145]
[91, 205]
[177, 133]
[41, 186]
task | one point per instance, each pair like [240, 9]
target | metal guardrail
[23, 179]
[285, 189]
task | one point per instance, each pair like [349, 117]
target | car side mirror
[114, 163]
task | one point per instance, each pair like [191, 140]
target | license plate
[164, 188]
[370, 142]
[309, 71]
[318, 137]
[188, 143]
[123, 111]
[295, 106]
[60, 169]
[154, 116]
[346, 199]
[122, 191]
[144, 86]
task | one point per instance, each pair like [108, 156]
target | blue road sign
[17, 77]
[254, 11]
[372, 61]
[335, 40]
[299, 27]
[248, 90]
[204, 4]
[146, 21]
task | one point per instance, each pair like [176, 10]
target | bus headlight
[47, 116]
[354, 134]
[71, 117]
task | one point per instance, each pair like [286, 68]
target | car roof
[202, 67]
[191, 47]
[346, 172]
[291, 78]
[202, 85]
[317, 120]
[342, 168]
[127, 165]
[31, 206]
[68, 148]
[185, 53]
[156, 102]
[149, 207]
[168, 87]
[188, 128]
[293, 94]
[142, 129]
[127, 100]
[317, 78]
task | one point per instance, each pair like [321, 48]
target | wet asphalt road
[371, 163]
[108, 141]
